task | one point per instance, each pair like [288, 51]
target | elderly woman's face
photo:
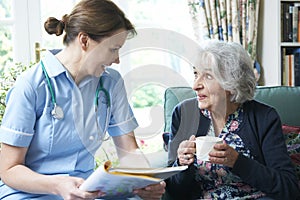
[210, 94]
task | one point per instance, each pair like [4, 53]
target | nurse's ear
[83, 40]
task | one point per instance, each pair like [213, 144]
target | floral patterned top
[217, 181]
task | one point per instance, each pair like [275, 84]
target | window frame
[26, 29]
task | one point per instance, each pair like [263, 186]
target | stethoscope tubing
[57, 111]
[49, 83]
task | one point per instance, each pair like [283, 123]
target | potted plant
[8, 76]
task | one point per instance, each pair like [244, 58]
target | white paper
[121, 181]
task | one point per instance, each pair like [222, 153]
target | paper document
[116, 182]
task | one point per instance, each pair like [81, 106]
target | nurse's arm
[128, 150]
[15, 174]
[130, 156]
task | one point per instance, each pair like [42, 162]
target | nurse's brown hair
[97, 18]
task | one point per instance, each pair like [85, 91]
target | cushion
[292, 139]
[173, 96]
[284, 99]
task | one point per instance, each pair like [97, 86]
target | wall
[268, 42]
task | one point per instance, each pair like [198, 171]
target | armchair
[283, 98]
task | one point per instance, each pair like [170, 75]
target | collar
[52, 65]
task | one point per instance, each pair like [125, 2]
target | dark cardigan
[271, 170]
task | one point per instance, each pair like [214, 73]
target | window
[6, 23]
[148, 69]
[49, 8]
[154, 62]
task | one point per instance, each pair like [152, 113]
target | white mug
[204, 145]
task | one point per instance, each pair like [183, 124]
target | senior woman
[252, 162]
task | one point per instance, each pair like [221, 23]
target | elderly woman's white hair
[231, 66]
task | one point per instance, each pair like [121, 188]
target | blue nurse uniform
[62, 147]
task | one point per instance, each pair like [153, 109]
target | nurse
[58, 111]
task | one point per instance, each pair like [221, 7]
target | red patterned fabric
[292, 139]
[288, 129]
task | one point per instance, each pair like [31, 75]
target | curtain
[228, 20]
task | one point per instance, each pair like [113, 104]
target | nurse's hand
[68, 188]
[150, 192]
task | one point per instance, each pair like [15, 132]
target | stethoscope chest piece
[57, 112]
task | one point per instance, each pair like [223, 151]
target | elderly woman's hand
[186, 151]
[223, 154]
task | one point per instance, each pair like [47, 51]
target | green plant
[106, 152]
[8, 76]
[147, 96]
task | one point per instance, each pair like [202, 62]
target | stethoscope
[57, 111]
